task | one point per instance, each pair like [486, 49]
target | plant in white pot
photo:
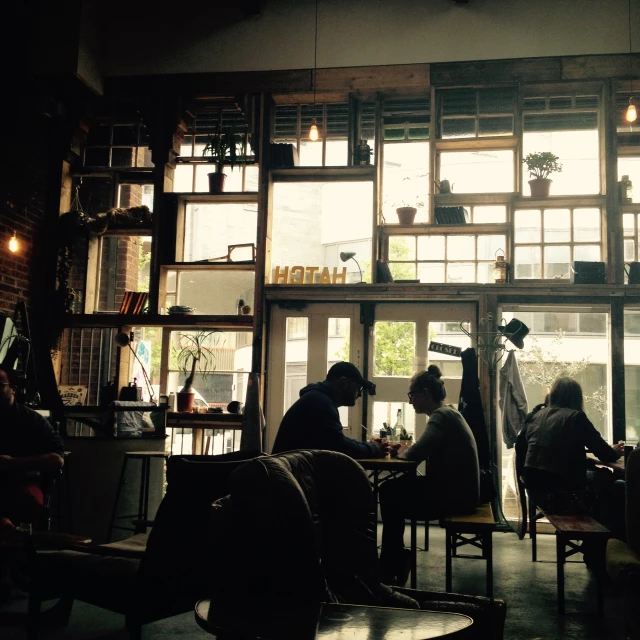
[227, 146]
[195, 352]
[540, 166]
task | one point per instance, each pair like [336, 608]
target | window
[548, 241]
[568, 127]
[486, 171]
[117, 146]
[313, 222]
[473, 113]
[630, 166]
[444, 258]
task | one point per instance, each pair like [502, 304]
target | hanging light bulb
[632, 113]
[313, 131]
[14, 245]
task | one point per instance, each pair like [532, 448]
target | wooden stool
[141, 521]
[475, 529]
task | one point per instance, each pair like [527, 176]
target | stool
[475, 529]
[141, 521]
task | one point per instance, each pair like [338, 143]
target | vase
[406, 215]
[185, 400]
[540, 187]
[216, 182]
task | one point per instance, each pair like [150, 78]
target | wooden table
[394, 467]
[617, 466]
[315, 621]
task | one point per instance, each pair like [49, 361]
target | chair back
[632, 500]
[301, 526]
[179, 550]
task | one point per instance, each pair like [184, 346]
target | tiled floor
[529, 589]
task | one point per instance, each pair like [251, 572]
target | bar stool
[141, 521]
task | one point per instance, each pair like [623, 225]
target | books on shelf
[451, 215]
[133, 302]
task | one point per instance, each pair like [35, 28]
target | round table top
[282, 621]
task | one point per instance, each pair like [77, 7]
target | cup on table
[25, 528]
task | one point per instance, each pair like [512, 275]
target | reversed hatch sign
[447, 349]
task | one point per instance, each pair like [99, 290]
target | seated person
[551, 456]
[313, 421]
[451, 483]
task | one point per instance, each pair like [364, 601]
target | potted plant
[228, 146]
[407, 209]
[540, 166]
[194, 353]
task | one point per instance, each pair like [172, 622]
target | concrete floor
[529, 589]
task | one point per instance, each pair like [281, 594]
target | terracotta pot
[216, 182]
[406, 215]
[540, 187]
[185, 401]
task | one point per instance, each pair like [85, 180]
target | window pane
[209, 229]
[490, 214]
[489, 245]
[215, 292]
[124, 266]
[556, 261]
[430, 247]
[394, 346]
[527, 262]
[336, 153]
[527, 226]
[461, 248]
[402, 271]
[485, 272]
[433, 272]
[96, 157]
[388, 412]
[405, 179]
[402, 248]
[134, 195]
[629, 250]
[627, 223]
[125, 135]
[458, 127]
[478, 172]
[310, 152]
[461, 272]
[459, 102]
[579, 155]
[557, 226]
[202, 177]
[495, 126]
[338, 343]
[586, 225]
[183, 179]
[123, 157]
[313, 222]
[587, 253]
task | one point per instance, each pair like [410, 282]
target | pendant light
[632, 114]
[313, 131]
[14, 245]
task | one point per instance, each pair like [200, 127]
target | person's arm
[47, 463]
[429, 442]
[594, 441]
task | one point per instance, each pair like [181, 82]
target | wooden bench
[475, 529]
[570, 530]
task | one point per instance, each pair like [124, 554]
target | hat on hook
[516, 331]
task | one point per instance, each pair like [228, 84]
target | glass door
[303, 345]
[400, 339]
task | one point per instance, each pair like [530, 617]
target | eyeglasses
[414, 393]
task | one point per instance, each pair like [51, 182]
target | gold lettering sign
[308, 275]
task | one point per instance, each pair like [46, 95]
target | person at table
[450, 485]
[313, 421]
[551, 455]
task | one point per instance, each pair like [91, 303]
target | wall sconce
[500, 268]
[350, 255]
[14, 245]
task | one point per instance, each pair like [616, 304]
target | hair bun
[434, 370]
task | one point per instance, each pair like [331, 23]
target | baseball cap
[351, 372]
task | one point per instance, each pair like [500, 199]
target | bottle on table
[398, 426]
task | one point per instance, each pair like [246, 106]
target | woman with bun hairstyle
[450, 485]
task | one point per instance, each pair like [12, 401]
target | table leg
[449, 562]
[560, 559]
[487, 546]
[414, 553]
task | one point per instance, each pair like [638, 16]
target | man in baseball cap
[313, 421]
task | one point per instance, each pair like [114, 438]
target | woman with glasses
[450, 485]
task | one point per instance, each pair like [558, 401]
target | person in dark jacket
[313, 421]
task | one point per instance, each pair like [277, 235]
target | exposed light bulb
[632, 113]
[313, 132]
[13, 243]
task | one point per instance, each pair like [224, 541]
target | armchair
[144, 584]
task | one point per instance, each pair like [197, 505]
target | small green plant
[406, 199]
[542, 164]
[196, 352]
[228, 146]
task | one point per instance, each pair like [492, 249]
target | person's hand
[382, 446]
[402, 447]
[394, 448]
[619, 447]
[6, 463]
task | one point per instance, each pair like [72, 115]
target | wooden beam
[496, 72]
[355, 79]
[616, 379]
[610, 66]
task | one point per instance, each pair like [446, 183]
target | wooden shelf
[559, 202]
[462, 144]
[239, 197]
[440, 229]
[117, 320]
[318, 174]
[210, 266]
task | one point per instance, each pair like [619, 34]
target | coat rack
[491, 349]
